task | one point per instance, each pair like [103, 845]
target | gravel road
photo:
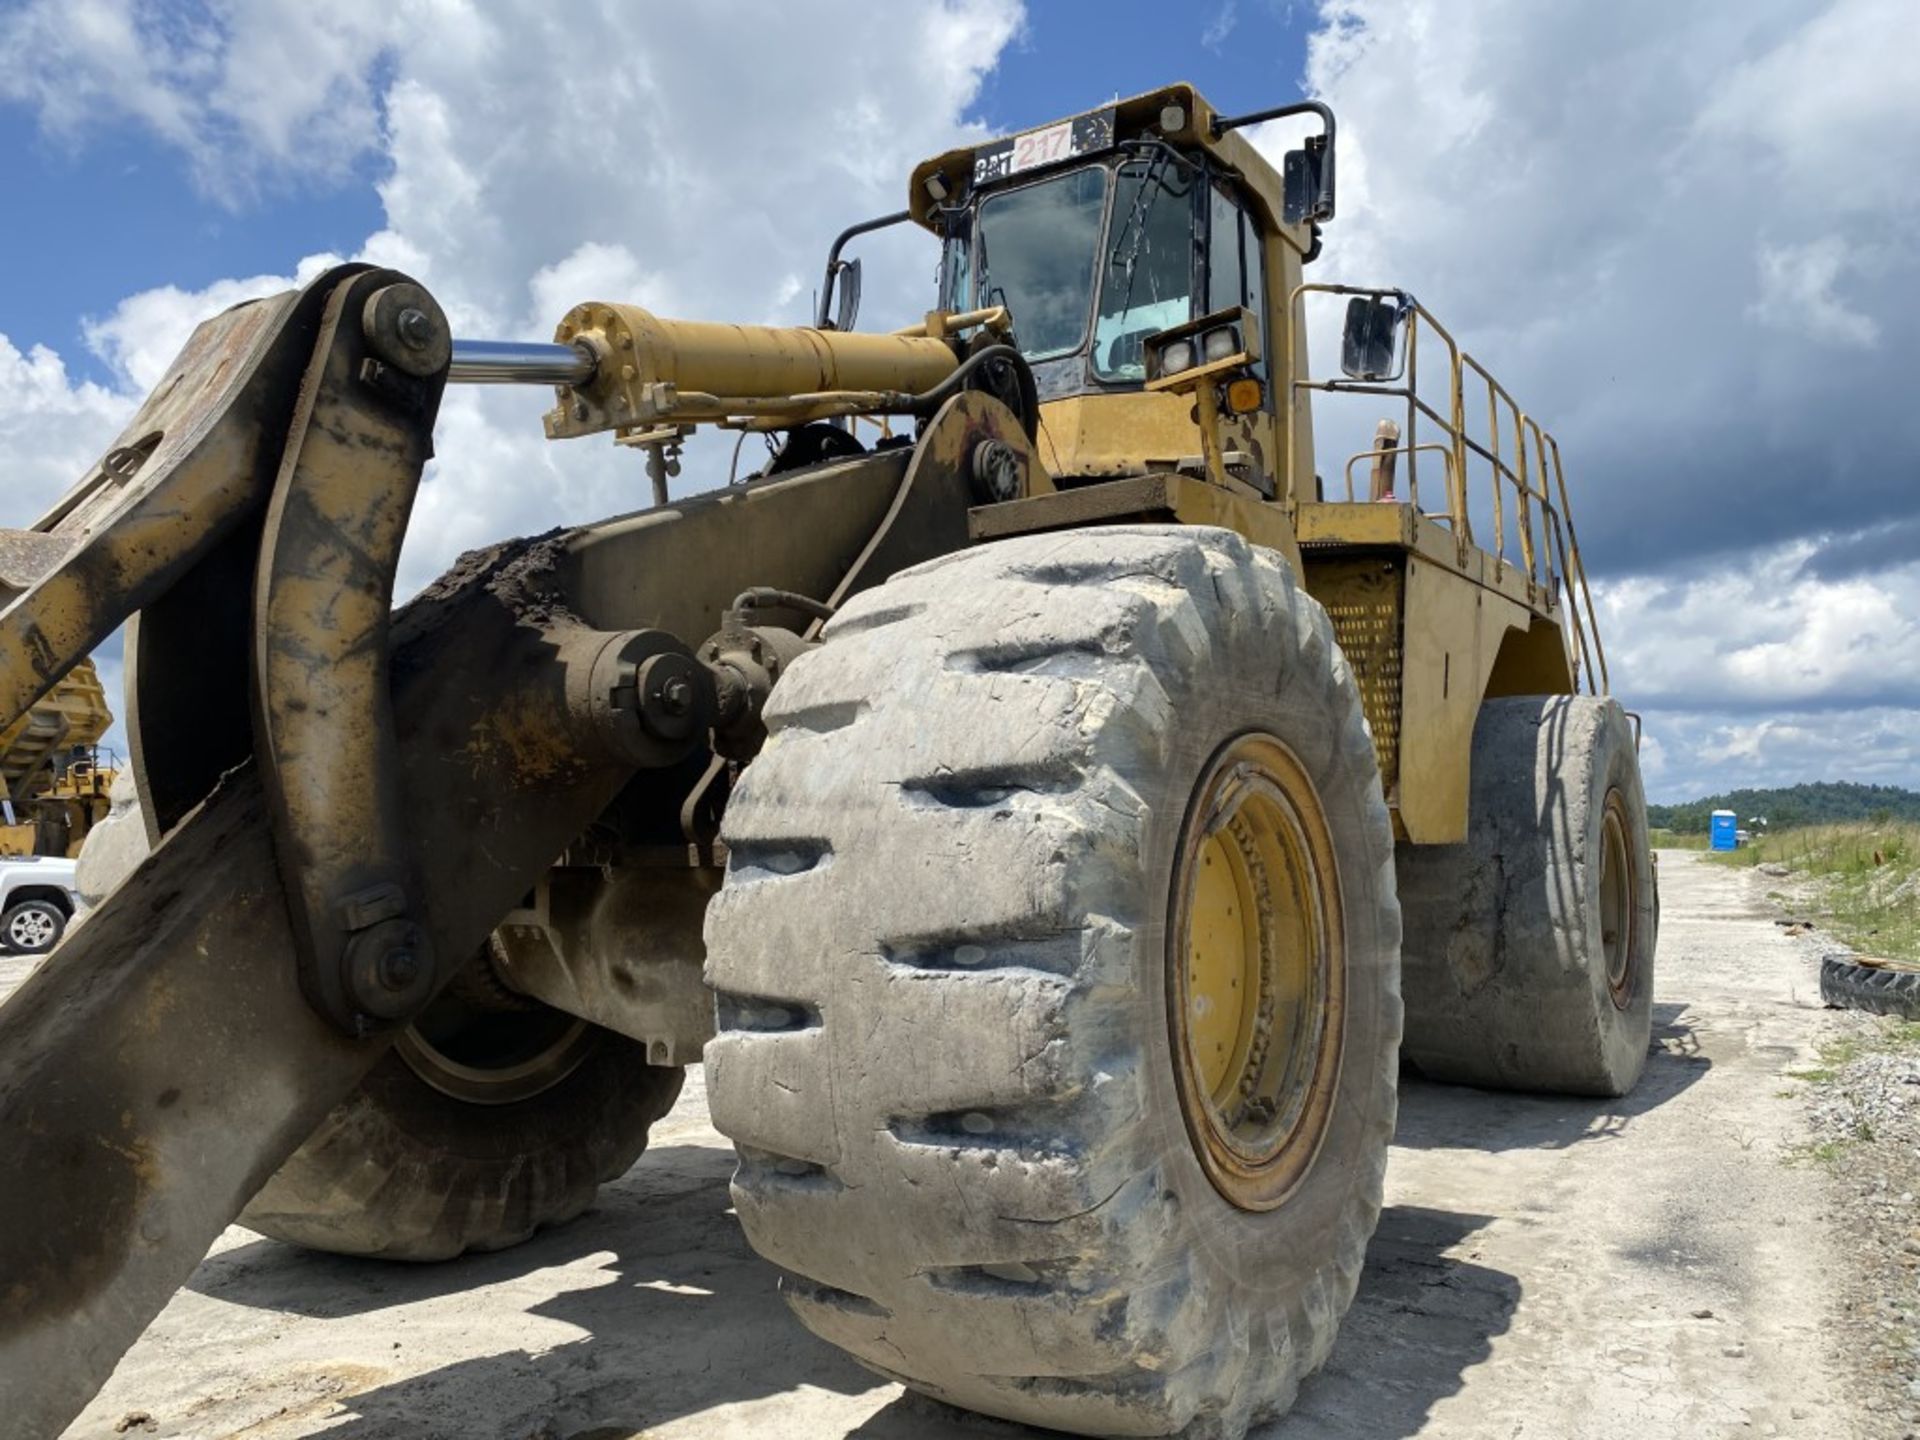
[1651, 1267]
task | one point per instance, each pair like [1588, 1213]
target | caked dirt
[1675, 1264]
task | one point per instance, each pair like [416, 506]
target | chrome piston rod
[515, 362]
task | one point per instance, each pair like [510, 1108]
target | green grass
[1823, 1153]
[1674, 840]
[1869, 874]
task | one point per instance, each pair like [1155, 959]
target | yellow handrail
[1549, 558]
[1413, 486]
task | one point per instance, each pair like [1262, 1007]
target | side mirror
[1307, 173]
[1307, 183]
[1370, 343]
[849, 306]
[827, 316]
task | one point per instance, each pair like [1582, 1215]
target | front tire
[1001, 1153]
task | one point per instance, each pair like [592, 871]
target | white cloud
[248, 90]
[1220, 24]
[52, 427]
[1822, 102]
[1686, 252]
[1764, 672]
[1766, 633]
[597, 272]
[1703, 753]
[699, 167]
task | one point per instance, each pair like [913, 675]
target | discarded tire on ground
[493, 1116]
[1881, 989]
[1528, 957]
[1057, 964]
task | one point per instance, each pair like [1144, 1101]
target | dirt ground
[1655, 1267]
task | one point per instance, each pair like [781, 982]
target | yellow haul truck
[1036, 821]
[53, 784]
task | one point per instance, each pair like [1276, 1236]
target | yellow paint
[654, 371]
[1119, 434]
[1452, 636]
[1433, 621]
[1257, 971]
[73, 713]
[1429, 634]
[1158, 497]
[1143, 112]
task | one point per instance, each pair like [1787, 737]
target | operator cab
[1100, 233]
[1093, 260]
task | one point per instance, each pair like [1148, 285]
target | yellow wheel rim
[1256, 972]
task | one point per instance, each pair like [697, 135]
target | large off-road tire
[402, 1170]
[1528, 952]
[1884, 988]
[968, 955]
[492, 1117]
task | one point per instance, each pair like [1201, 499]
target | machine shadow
[1421, 1319]
[662, 1257]
[675, 1316]
[269, 1275]
[1455, 1117]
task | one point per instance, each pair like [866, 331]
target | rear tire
[948, 1049]
[1529, 950]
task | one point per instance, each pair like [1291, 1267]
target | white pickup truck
[37, 902]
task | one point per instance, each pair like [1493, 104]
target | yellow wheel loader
[1034, 820]
[54, 777]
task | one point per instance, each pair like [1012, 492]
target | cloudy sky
[1685, 235]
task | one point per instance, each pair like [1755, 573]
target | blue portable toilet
[1724, 834]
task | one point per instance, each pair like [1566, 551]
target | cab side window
[1235, 275]
[1147, 280]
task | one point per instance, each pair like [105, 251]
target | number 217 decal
[1045, 146]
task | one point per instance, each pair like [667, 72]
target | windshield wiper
[1136, 229]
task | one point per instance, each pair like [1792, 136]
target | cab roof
[1093, 132]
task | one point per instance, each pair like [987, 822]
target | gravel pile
[1865, 1122]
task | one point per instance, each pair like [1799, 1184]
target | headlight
[1219, 343]
[1176, 357]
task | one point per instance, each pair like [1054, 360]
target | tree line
[1824, 802]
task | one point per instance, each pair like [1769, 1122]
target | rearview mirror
[1370, 343]
[849, 308]
[1307, 183]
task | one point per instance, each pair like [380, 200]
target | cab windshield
[1035, 255]
[1047, 251]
